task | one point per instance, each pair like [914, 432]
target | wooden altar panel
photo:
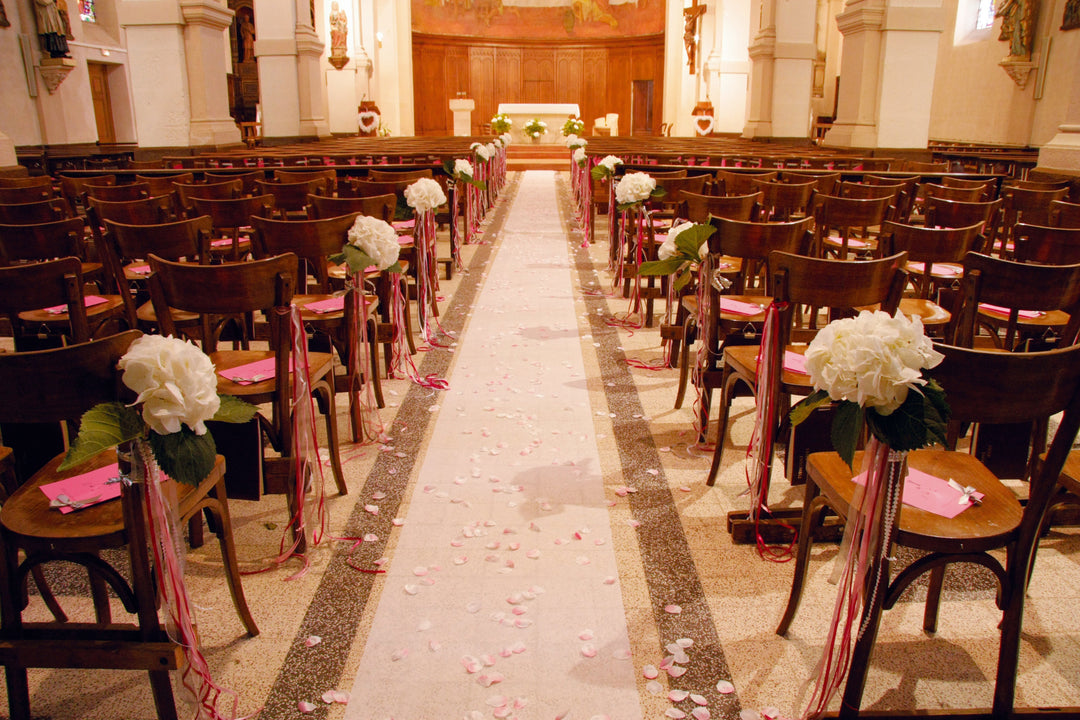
[619, 65]
[538, 74]
[508, 75]
[594, 90]
[482, 89]
[569, 83]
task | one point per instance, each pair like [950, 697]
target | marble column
[8, 159]
[288, 53]
[781, 78]
[205, 49]
[887, 73]
[1062, 153]
[727, 66]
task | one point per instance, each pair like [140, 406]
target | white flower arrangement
[177, 391]
[535, 128]
[668, 249]
[634, 188]
[872, 365]
[577, 142]
[501, 123]
[377, 242]
[482, 152]
[573, 126]
[570, 140]
[684, 248]
[579, 156]
[507, 138]
[424, 195]
[463, 168]
[492, 150]
[605, 168]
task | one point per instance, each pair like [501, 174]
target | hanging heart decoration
[368, 121]
[704, 124]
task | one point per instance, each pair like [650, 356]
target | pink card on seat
[794, 362]
[138, 269]
[84, 490]
[932, 494]
[88, 301]
[404, 224]
[328, 305]
[1026, 314]
[738, 307]
[938, 269]
[250, 373]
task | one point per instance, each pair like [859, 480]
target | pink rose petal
[674, 713]
[305, 707]
[672, 609]
[676, 671]
[724, 687]
[650, 672]
[700, 713]
[676, 696]
[698, 699]
[312, 640]
[588, 650]
[654, 687]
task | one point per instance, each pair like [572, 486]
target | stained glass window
[985, 17]
[87, 11]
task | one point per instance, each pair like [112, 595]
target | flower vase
[535, 139]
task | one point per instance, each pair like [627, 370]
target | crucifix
[691, 16]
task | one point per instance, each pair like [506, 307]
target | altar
[554, 114]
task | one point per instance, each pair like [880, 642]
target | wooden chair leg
[373, 350]
[161, 687]
[684, 359]
[217, 504]
[327, 391]
[933, 599]
[813, 508]
[47, 596]
[727, 382]
[18, 690]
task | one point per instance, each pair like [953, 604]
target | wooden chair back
[33, 212]
[699, 208]
[1017, 286]
[16, 195]
[22, 182]
[963, 194]
[376, 175]
[311, 241]
[843, 215]
[754, 241]
[42, 241]
[163, 184]
[988, 187]
[1027, 205]
[117, 193]
[33, 286]
[147, 211]
[292, 196]
[667, 174]
[73, 188]
[928, 245]
[669, 204]
[295, 176]
[868, 191]
[1046, 245]
[737, 183]
[248, 180]
[825, 182]
[782, 201]
[922, 167]
[940, 212]
[367, 188]
[380, 206]
[234, 213]
[1064, 214]
[1038, 184]
[213, 191]
[189, 239]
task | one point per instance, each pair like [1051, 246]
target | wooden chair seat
[929, 312]
[113, 307]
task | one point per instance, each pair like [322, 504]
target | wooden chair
[30, 213]
[245, 288]
[988, 187]
[934, 258]
[1026, 301]
[739, 183]
[163, 184]
[837, 285]
[18, 195]
[1046, 245]
[781, 202]
[825, 183]
[1064, 214]
[24, 182]
[665, 209]
[922, 167]
[59, 386]
[145, 211]
[232, 222]
[376, 175]
[736, 249]
[981, 387]
[379, 206]
[249, 180]
[126, 249]
[291, 198]
[1022, 205]
[74, 188]
[224, 190]
[946, 192]
[25, 290]
[312, 241]
[953, 214]
[837, 218]
[117, 193]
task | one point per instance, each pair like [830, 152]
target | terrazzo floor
[545, 523]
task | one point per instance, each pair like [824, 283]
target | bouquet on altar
[682, 252]
[872, 367]
[573, 126]
[176, 390]
[501, 123]
[535, 128]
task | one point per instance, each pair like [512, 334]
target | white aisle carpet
[502, 596]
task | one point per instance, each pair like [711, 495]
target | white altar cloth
[554, 114]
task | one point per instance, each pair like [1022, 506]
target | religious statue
[1017, 26]
[247, 38]
[50, 28]
[339, 34]
[691, 16]
[1070, 18]
[4, 22]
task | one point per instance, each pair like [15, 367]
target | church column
[8, 159]
[781, 79]
[727, 66]
[287, 51]
[310, 85]
[1062, 153]
[206, 49]
[887, 73]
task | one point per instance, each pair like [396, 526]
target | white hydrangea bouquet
[371, 242]
[683, 250]
[176, 390]
[579, 157]
[425, 195]
[463, 171]
[535, 128]
[481, 151]
[605, 168]
[872, 366]
[634, 189]
[507, 138]
[573, 142]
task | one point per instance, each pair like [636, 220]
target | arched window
[87, 12]
[985, 18]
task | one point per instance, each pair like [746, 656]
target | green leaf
[689, 241]
[184, 456]
[846, 427]
[626, 206]
[475, 183]
[937, 413]
[103, 426]
[357, 259]
[680, 282]
[448, 167]
[658, 193]
[808, 405]
[661, 267]
[600, 173]
[234, 410]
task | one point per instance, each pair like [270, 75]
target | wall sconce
[692, 18]
[378, 37]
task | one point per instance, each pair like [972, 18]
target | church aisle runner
[502, 596]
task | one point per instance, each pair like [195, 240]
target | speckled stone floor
[664, 543]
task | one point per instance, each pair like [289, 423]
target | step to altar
[520, 156]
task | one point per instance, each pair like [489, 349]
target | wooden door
[641, 110]
[99, 93]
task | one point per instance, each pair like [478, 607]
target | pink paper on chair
[932, 494]
[938, 269]
[738, 307]
[88, 301]
[221, 243]
[326, 306]
[138, 269]
[251, 373]
[404, 224]
[794, 362]
[86, 489]
[852, 242]
[405, 240]
[1026, 314]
